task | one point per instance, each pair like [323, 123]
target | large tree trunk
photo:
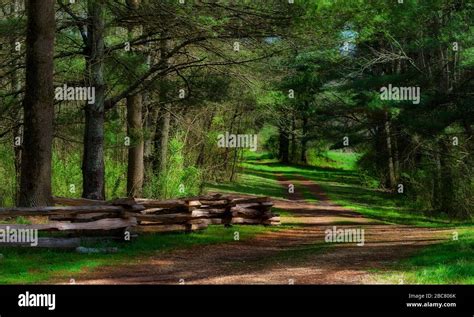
[16, 114]
[163, 124]
[135, 151]
[38, 105]
[135, 167]
[93, 169]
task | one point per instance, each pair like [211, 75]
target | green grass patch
[447, 263]
[333, 159]
[263, 183]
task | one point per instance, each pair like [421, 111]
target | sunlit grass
[446, 263]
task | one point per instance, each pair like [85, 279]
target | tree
[38, 105]
[135, 166]
[93, 168]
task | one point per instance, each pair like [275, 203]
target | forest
[372, 101]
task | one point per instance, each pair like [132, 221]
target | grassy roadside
[447, 263]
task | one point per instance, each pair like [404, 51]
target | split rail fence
[78, 219]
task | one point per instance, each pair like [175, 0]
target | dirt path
[296, 255]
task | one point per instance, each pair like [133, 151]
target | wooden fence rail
[84, 217]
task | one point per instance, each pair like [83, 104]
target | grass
[252, 182]
[447, 263]
[26, 266]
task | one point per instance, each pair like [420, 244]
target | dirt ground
[280, 257]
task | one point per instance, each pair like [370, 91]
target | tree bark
[447, 194]
[93, 167]
[135, 166]
[163, 124]
[293, 138]
[161, 140]
[388, 139]
[304, 140]
[16, 113]
[284, 145]
[38, 105]
[201, 160]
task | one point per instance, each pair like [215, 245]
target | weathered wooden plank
[43, 242]
[128, 201]
[154, 203]
[161, 228]
[103, 224]
[57, 210]
[163, 218]
[247, 212]
[83, 217]
[240, 220]
[238, 201]
[198, 226]
[193, 203]
[250, 205]
[274, 221]
[200, 221]
[215, 221]
[65, 201]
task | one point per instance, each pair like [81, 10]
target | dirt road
[296, 255]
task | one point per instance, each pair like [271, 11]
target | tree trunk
[396, 153]
[93, 169]
[38, 105]
[304, 140]
[201, 160]
[447, 194]
[163, 126]
[231, 128]
[293, 139]
[16, 113]
[284, 145]
[135, 168]
[391, 166]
